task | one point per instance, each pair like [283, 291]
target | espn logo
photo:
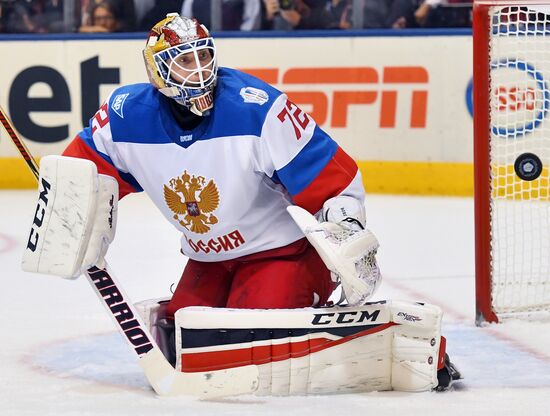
[330, 104]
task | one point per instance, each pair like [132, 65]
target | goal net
[511, 158]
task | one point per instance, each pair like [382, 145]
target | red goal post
[511, 43]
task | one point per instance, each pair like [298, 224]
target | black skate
[447, 375]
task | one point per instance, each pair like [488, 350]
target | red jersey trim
[331, 181]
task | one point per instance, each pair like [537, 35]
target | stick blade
[167, 381]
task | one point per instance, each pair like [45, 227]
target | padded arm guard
[75, 218]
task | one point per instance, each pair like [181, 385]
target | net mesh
[520, 155]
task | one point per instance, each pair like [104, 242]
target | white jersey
[225, 184]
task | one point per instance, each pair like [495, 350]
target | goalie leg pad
[416, 344]
[375, 347]
[75, 218]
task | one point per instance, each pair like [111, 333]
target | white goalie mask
[180, 57]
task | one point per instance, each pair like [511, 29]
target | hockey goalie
[272, 218]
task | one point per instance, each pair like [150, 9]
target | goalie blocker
[75, 218]
[387, 345]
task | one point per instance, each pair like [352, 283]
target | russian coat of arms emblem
[192, 200]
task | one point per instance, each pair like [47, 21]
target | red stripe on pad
[331, 181]
[442, 348]
[192, 362]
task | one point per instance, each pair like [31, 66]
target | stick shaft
[33, 166]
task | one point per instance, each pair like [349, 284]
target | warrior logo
[192, 212]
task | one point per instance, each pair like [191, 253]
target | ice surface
[62, 356]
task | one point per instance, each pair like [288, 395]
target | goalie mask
[180, 57]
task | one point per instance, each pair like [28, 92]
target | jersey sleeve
[95, 143]
[298, 154]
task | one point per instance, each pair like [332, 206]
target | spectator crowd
[96, 16]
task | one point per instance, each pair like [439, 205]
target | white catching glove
[346, 248]
[357, 243]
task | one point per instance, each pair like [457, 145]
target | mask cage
[166, 60]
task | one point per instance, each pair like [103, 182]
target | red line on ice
[7, 243]
[459, 316]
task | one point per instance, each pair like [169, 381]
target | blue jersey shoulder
[134, 114]
[233, 79]
[241, 104]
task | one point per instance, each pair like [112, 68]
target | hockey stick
[31, 163]
[164, 379]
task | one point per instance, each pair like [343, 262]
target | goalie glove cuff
[345, 211]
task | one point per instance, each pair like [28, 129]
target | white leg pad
[416, 343]
[374, 347]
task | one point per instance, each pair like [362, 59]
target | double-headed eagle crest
[191, 212]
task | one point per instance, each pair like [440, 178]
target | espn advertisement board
[399, 105]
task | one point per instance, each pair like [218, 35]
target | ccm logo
[39, 215]
[333, 101]
[345, 317]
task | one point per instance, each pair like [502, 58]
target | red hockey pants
[285, 277]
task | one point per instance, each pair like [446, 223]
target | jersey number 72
[297, 117]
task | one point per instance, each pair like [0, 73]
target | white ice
[60, 354]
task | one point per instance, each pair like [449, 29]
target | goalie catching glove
[345, 246]
[75, 218]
